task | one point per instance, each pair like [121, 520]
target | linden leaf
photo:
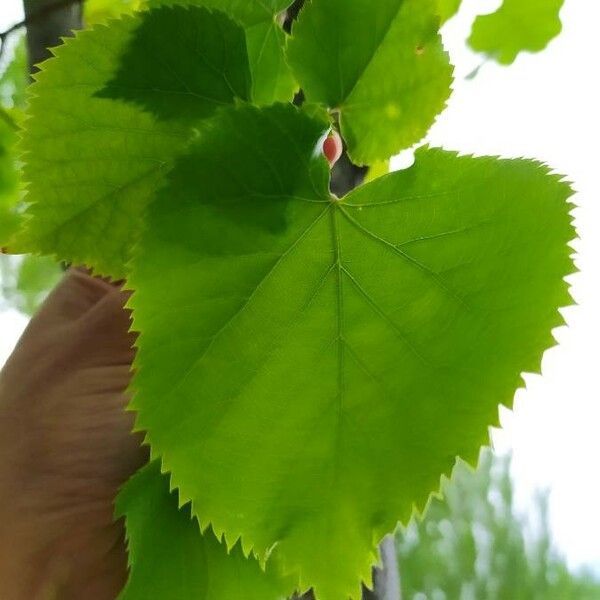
[93, 163]
[517, 26]
[317, 364]
[170, 559]
[383, 68]
[272, 79]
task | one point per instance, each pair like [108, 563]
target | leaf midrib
[247, 302]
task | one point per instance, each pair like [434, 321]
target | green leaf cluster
[308, 366]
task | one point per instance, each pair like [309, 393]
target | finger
[77, 293]
[103, 332]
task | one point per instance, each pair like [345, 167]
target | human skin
[66, 447]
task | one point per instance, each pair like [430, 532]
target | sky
[544, 106]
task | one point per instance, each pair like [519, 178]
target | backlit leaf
[381, 66]
[317, 364]
[94, 162]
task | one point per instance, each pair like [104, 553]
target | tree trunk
[48, 21]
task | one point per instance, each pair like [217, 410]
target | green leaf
[171, 560]
[517, 26]
[383, 69]
[272, 79]
[317, 364]
[94, 163]
[183, 63]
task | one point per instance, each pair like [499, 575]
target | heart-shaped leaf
[309, 367]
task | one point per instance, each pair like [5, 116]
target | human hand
[66, 447]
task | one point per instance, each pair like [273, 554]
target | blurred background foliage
[474, 545]
[26, 280]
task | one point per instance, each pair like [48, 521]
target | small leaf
[93, 163]
[382, 67]
[171, 560]
[517, 26]
[317, 365]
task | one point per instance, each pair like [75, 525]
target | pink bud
[333, 147]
